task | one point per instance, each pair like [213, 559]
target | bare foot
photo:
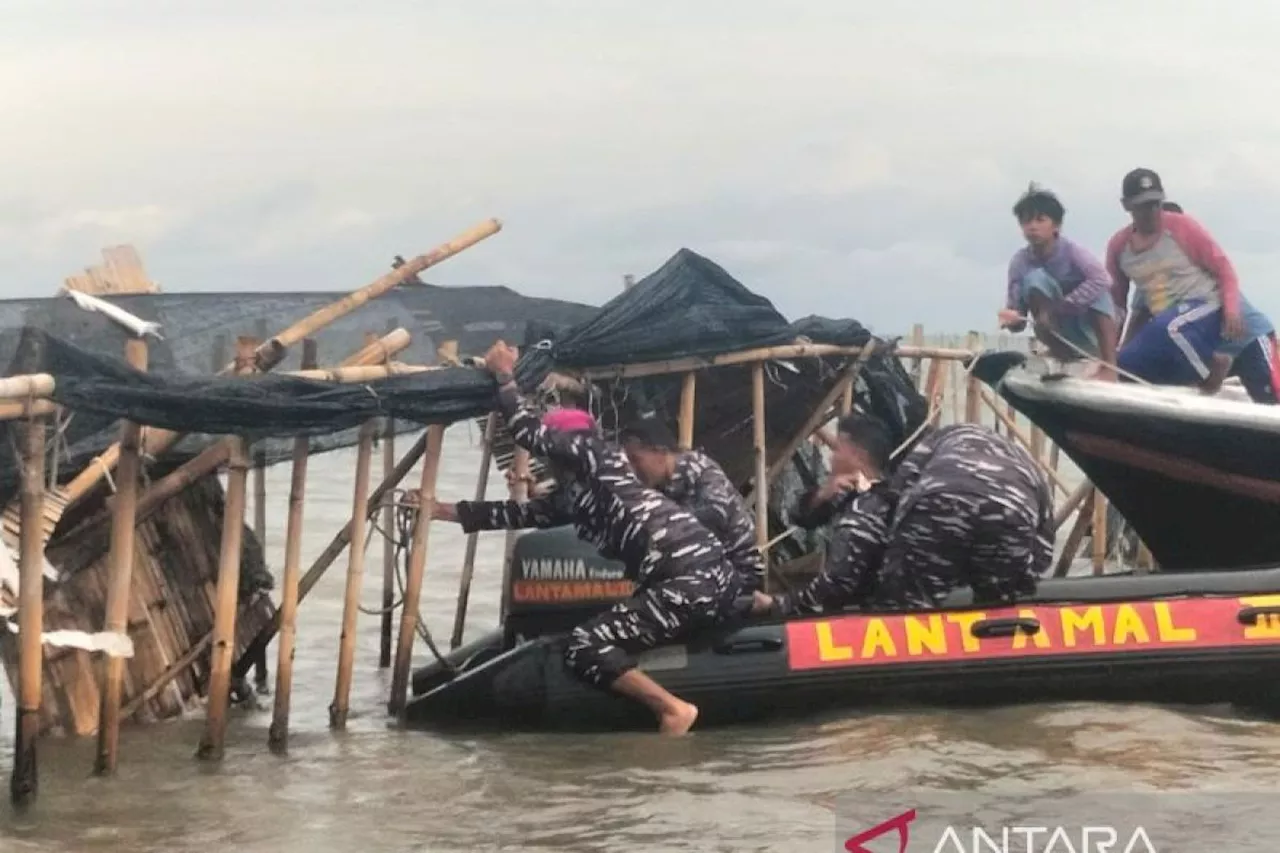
[678, 721]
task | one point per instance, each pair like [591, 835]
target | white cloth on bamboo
[115, 644]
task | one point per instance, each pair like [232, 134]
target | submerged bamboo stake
[355, 577]
[120, 561]
[417, 568]
[688, 392]
[24, 782]
[762, 460]
[473, 538]
[228, 586]
[278, 733]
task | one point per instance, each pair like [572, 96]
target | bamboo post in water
[355, 577]
[688, 396]
[278, 734]
[417, 568]
[1076, 536]
[1099, 534]
[260, 468]
[25, 780]
[473, 538]
[519, 492]
[388, 538]
[228, 586]
[762, 461]
[120, 569]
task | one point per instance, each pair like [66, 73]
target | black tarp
[690, 306]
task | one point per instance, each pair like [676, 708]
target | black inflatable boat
[1199, 480]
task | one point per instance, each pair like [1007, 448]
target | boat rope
[1088, 356]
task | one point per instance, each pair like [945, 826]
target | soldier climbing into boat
[684, 584]
[694, 480]
[1190, 324]
[1061, 285]
[965, 507]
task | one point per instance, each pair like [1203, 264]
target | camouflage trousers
[946, 540]
[687, 600]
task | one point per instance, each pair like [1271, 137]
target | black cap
[1140, 187]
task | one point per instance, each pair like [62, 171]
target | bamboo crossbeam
[680, 365]
[35, 408]
[26, 386]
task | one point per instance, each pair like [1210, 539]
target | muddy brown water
[771, 787]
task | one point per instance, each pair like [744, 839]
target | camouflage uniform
[973, 510]
[965, 508]
[684, 582]
[858, 540]
[700, 485]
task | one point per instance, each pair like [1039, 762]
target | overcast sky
[842, 157]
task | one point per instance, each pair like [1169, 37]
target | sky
[841, 157]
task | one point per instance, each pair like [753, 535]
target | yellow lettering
[1073, 621]
[1129, 623]
[918, 637]
[1166, 630]
[965, 621]
[1039, 639]
[1267, 627]
[879, 639]
[827, 648]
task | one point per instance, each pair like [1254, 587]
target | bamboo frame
[473, 538]
[417, 568]
[24, 782]
[278, 733]
[121, 573]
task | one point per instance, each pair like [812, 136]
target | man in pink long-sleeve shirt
[1189, 324]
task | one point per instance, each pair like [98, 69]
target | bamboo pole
[417, 568]
[36, 408]
[260, 468]
[473, 538]
[818, 418]
[518, 490]
[917, 340]
[227, 599]
[681, 365]
[762, 460]
[120, 574]
[688, 396]
[355, 578]
[1072, 503]
[1099, 535]
[972, 390]
[278, 733]
[388, 543]
[268, 355]
[24, 782]
[1015, 433]
[214, 456]
[1075, 537]
[28, 386]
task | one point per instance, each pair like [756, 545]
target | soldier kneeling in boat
[966, 507]
[684, 583]
[694, 480]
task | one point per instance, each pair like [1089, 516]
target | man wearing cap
[683, 581]
[1061, 284]
[1190, 324]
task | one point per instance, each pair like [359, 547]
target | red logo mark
[854, 844]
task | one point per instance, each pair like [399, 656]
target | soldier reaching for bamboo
[966, 507]
[684, 582]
